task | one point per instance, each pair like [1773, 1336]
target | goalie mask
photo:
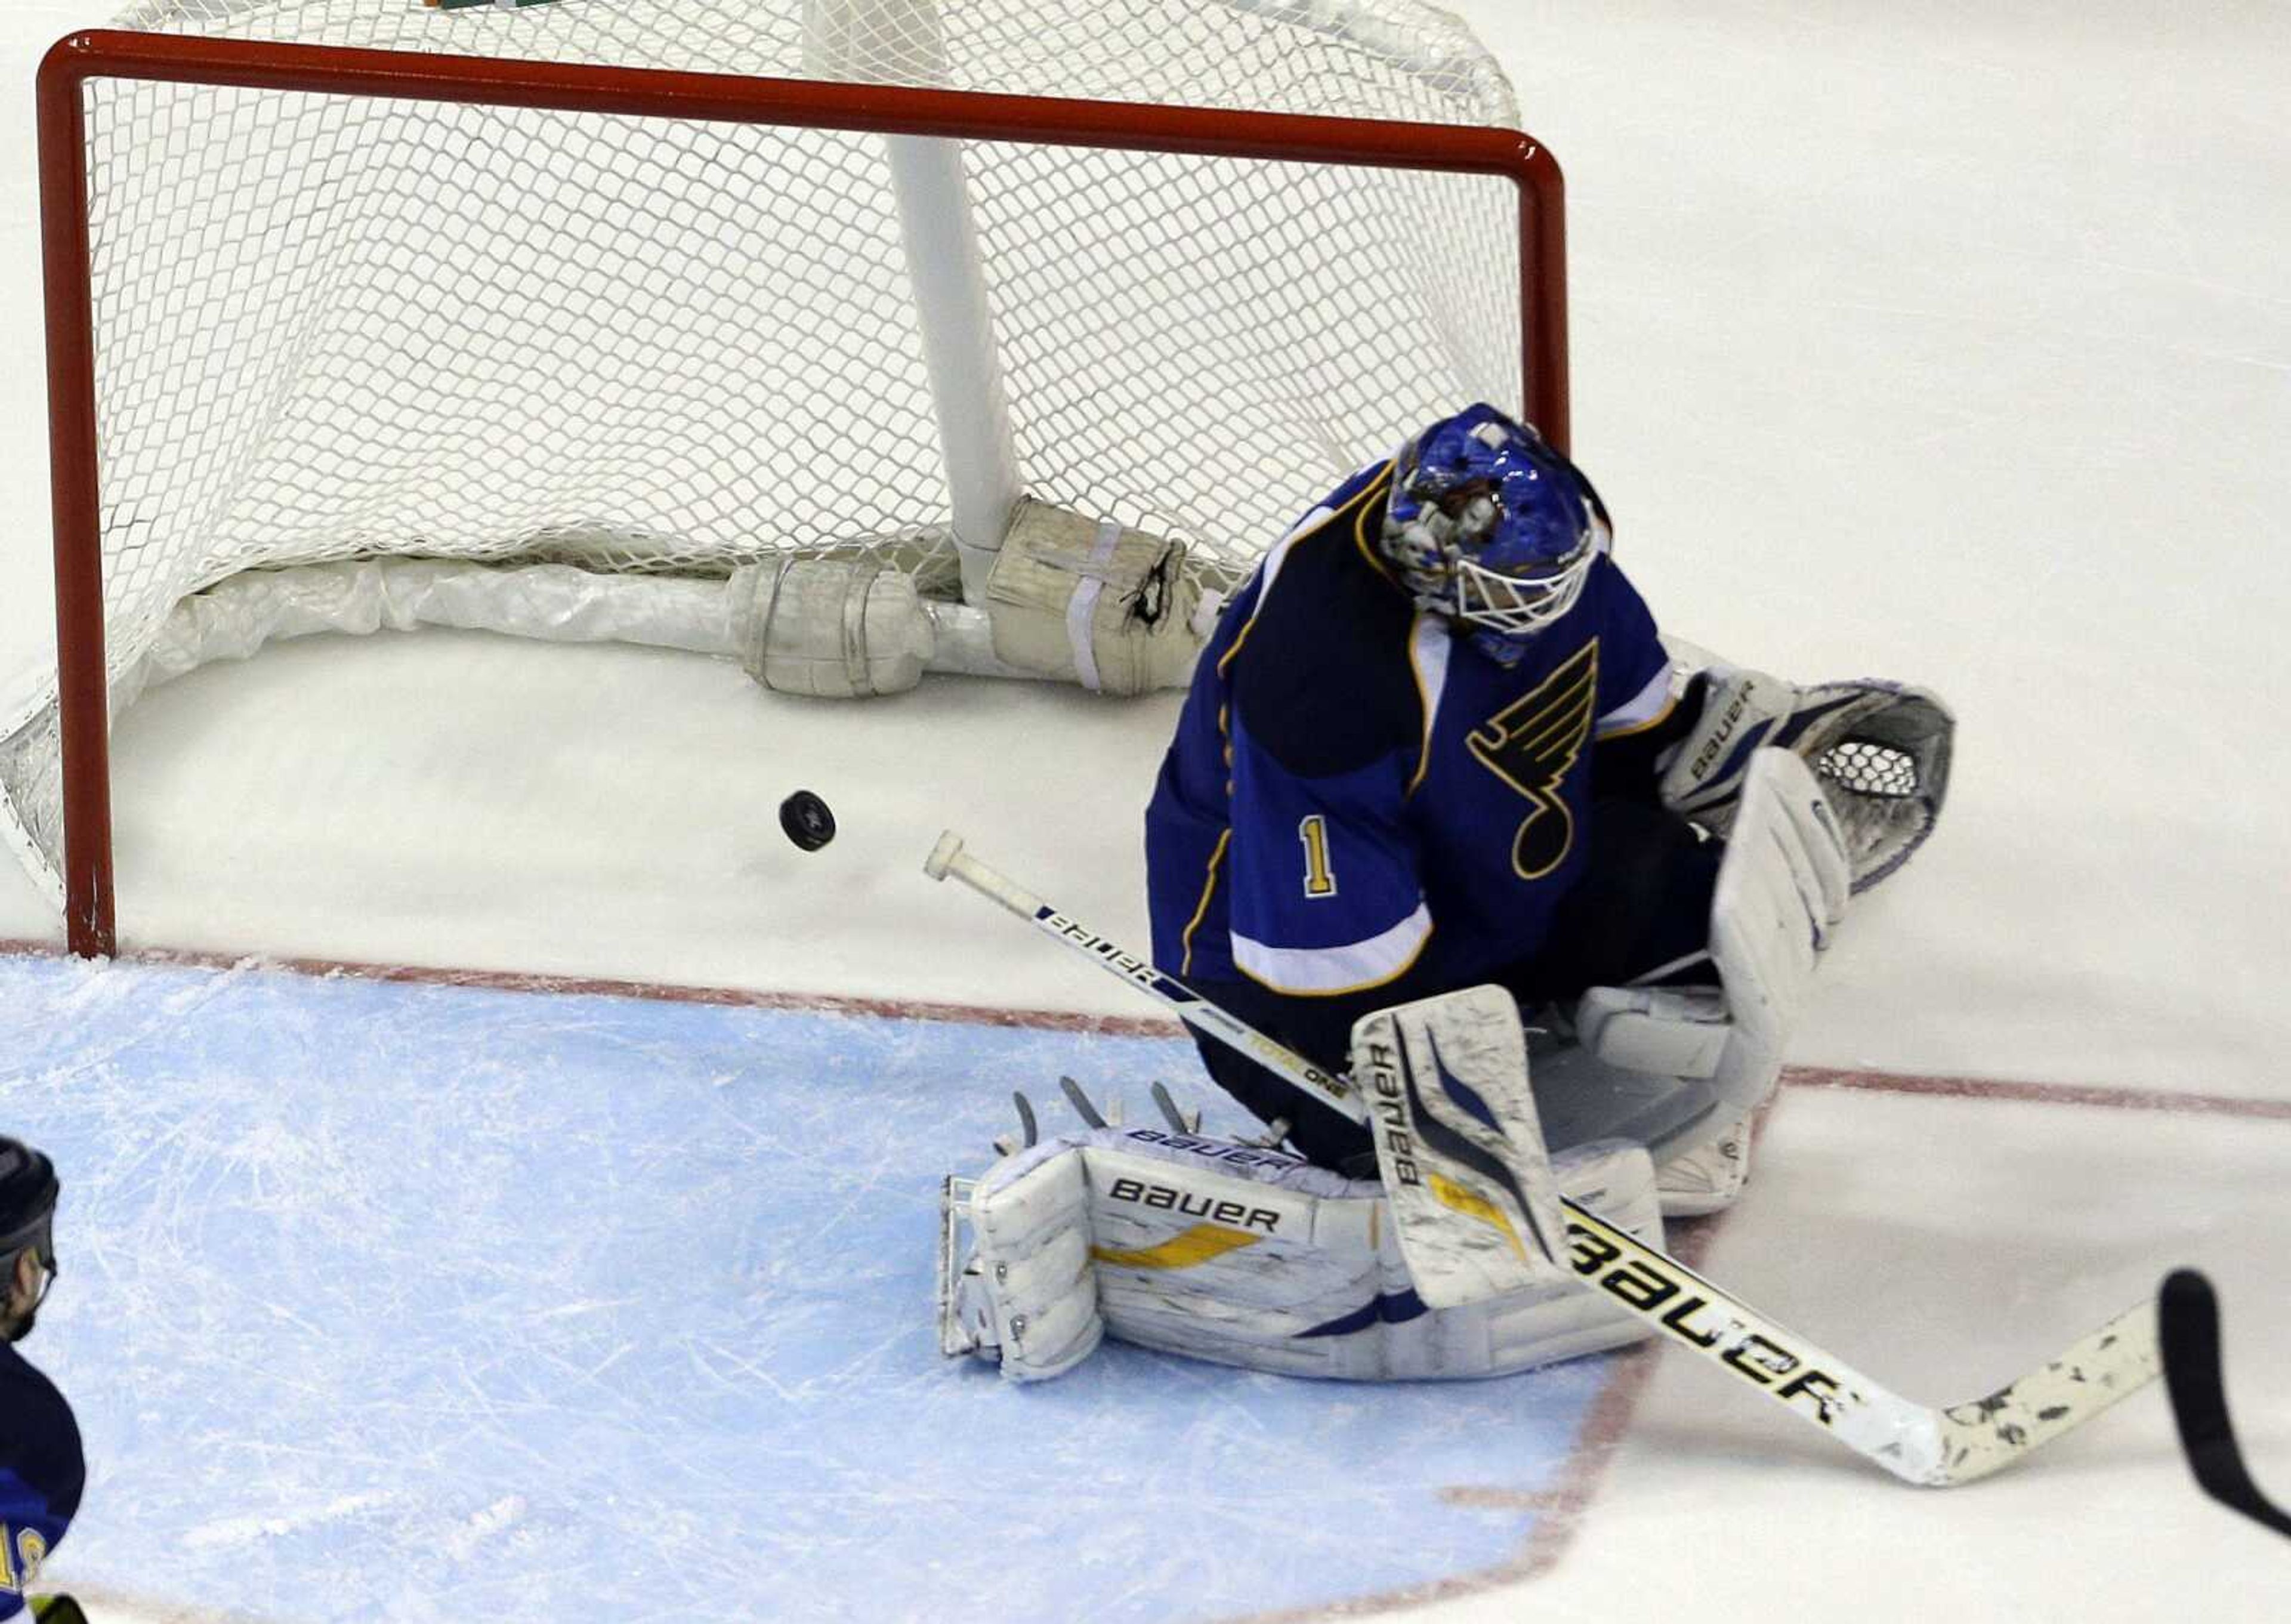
[1489, 527]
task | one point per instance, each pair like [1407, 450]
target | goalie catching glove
[1881, 749]
[1245, 1256]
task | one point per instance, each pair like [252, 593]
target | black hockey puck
[806, 821]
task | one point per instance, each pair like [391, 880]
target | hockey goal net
[354, 303]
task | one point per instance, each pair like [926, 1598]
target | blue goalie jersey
[42, 1472]
[1355, 791]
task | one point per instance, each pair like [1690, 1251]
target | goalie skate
[1707, 1178]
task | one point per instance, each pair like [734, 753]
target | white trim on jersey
[1343, 968]
[1647, 706]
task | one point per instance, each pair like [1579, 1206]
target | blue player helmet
[1490, 526]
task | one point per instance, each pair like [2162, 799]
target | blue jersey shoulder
[1318, 674]
[42, 1472]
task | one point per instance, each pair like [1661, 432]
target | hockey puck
[805, 820]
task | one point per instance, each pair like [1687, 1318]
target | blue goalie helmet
[1488, 525]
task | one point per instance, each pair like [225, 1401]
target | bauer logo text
[1640, 1282]
[1162, 1198]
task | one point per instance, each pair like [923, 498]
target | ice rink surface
[1952, 346]
[626, 1313]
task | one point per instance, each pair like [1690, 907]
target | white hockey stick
[1933, 1448]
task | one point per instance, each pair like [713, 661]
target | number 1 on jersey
[21, 1558]
[1319, 880]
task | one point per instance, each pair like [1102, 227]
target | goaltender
[1436, 744]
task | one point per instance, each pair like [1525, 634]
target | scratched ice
[375, 1295]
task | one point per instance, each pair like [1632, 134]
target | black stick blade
[2188, 1327]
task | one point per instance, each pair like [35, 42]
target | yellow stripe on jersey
[1367, 543]
[1208, 889]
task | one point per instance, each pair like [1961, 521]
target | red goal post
[90, 59]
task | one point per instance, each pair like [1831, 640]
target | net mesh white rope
[331, 328]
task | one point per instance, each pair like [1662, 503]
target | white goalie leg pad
[1782, 888]
[1669, 1031]
[1681, 1033]
[1247, 1257]
[1882, 749]
[1027, 1297]
[1244, 1256]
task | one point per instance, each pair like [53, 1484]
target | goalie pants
[1642, 901]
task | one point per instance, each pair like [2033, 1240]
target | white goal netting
[332, 327]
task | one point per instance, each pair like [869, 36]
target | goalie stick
[1935, 1448]
[2189, 1326]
